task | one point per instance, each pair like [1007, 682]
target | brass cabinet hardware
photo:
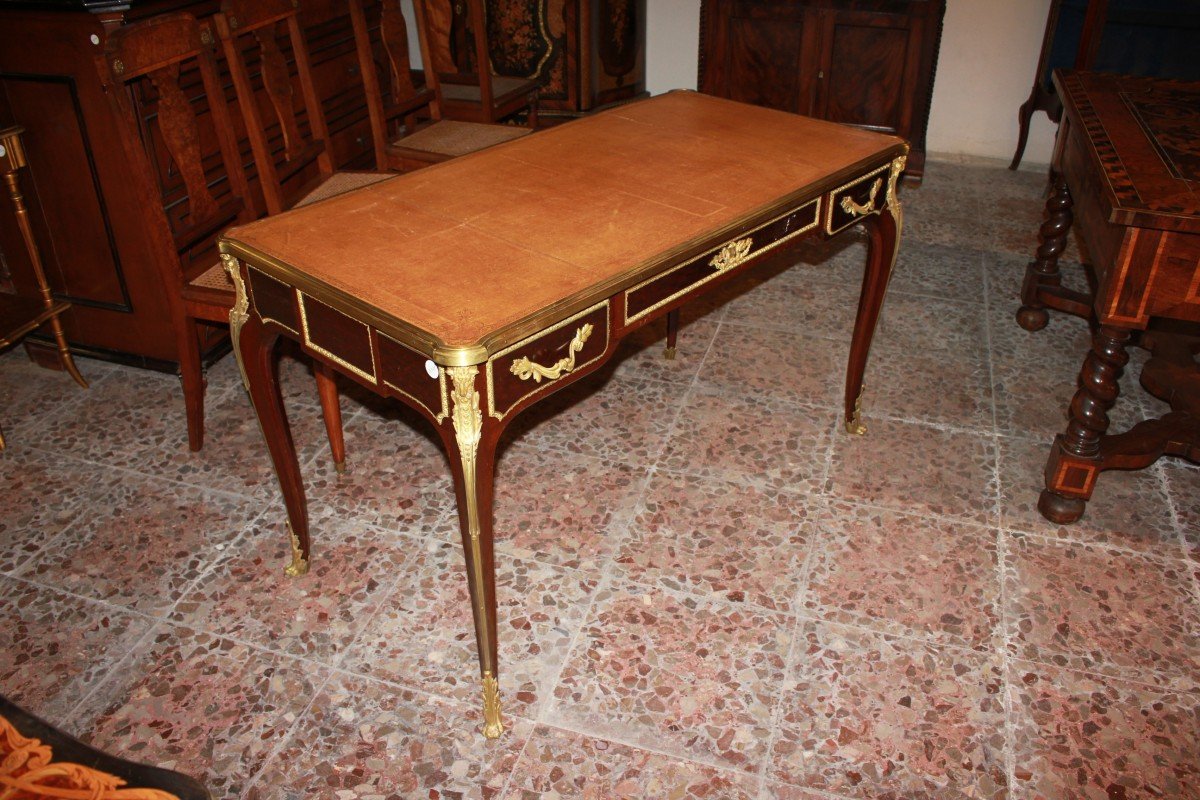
[525, 369]
[851, 207]
[732, 254]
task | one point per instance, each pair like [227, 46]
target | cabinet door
[869, 69]
[756, 52]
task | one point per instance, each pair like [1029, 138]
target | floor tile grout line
[1010, 755]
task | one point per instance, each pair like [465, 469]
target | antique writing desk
[1127, 174]
[473, 289]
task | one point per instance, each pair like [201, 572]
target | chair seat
[340, 183]
[453, 138]
[215, 277]
[503, 87]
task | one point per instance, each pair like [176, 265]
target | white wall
[985, 70]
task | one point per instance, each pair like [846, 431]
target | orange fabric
[464, 248]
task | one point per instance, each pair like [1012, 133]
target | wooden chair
[20, 315]
[463, 81]
[398, 108]
[199, 193]
[249, 31]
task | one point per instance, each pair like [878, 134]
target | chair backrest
[402, 98]
[169, 149]
[454, 45]
[291, 135]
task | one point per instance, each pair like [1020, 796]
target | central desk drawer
[538, 363]
[651, 295]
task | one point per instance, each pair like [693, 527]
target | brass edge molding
[370, 376]
[299, 564]
[816, 201]
[856, 209]
[437, 415]
[488, 368]
[239, 313]
[829, 209]
[525, 369]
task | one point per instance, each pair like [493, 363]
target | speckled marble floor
[707, 590]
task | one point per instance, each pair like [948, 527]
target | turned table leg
[1043, 271]
[472, 450]
[1075, 458]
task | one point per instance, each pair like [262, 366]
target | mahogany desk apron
[475, 288]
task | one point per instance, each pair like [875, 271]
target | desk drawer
[859, 198]
[651, 295]
[538, 363]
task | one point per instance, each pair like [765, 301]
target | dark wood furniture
[1127, 175]
[470, 91]
[402, 141]
[470, 324]
[87, 216]
[1133, 37]
[862, 62]
[21, 315]
[155, 56]
[584, 54]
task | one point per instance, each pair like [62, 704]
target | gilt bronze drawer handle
[853, 208]
[525, 369]
[732, 254]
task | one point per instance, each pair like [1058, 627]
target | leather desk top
[471, 254]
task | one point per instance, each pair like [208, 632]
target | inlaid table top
[1142, 139]
[466, 257]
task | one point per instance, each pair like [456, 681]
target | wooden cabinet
[862, 62]
[87, 219]
[585, 53]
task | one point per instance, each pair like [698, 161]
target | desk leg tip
[493, 724]
[669, 354]
[339, 467]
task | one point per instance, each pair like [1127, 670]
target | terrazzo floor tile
[877, 717]
[316, 616]
[144, 544]
[839, 260]
[234, 457]
[42, 495]
[1183, 488]
[1107, 611]
[933, 270]
[200, 704]
[931, 325]
[906, 575]
[719, 436]
[818, 309]
[640, 355]
[713, 538]
[625, 422]
[686, 676]
[783, 365]
[562, 764]
[423, 636]
[55, 648]
[947, 389]
[397, 476]
[917, 468]
[361, 739]
[1083, 737]
[1128, 508]
[30, 395]
[562, 508]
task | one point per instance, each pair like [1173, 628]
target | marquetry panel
[274, 301]
[339, 338]
[413, 376]
[855, 200]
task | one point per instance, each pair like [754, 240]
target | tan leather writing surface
[463, 249]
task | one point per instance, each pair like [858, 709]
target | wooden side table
[1127, 175]
[22, 315]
